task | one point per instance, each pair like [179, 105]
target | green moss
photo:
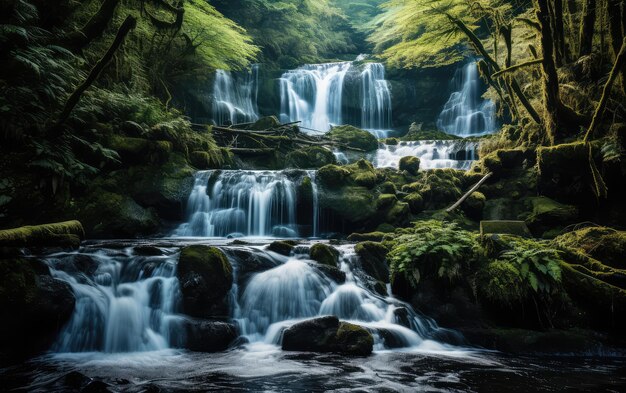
[438, 187]
[547, 213]
[66, 233]
[310, 158]
[604, 244]
[417, 134]
[202, 160]
[354, 137]
[474, 204]
[415, 201]
[500, 283]
[283, 247]
[385, 228]
[500, 227]
[139, 150]
[398, 214]
[567, 157]
[388, 188]
[207, 261]
[410, 164]
[354, 340]
[324, 254]
[390, 141]
[371, 236]
[385, 200]
[373, 259]
[352, 203]
[333, 176]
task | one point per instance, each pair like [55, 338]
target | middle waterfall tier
[252, 203]
[322, 95]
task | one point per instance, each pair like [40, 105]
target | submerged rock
[209, 336]
[205, 276]
[327, 334]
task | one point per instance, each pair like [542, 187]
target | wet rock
[332, 272]
[327, 334]
[354, 137]
[373, 259]
[250, 261]
[324, 254]
[148, 251]
[283, 247]
[311, 157]
[209, 336]
[96, 387]
[75, 379]
[205, 276]
[410, 164]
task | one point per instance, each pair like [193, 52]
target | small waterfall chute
[235, 96]
[432, 154]
[466, 113]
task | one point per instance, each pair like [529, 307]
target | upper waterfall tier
[250, 203]
[321, 95]
[235, 96]
[466, 113]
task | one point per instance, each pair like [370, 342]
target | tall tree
[587, 24]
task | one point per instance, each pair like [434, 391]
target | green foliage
[432, 249]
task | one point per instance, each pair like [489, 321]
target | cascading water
[432, 154]
[376, 110]
[465, 113]
[235, 96]
[296, 289]
[245, 203]
[316, 95]
[313, 94]
[124, 302]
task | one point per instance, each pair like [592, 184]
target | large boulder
[310, 157]
[34, 307]
[327, 334]
[354, 137]
[410, 164]
[205, 276]
[209, 336]
[473, 206]
[547, 214]
[324, 254]
[250, 261]
[373, 258]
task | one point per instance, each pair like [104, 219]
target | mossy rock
[333, 176]
[547, 214]
[203, 160]
[390, 141]
[352, 203]
[473, 206]
[388, 188]
[606, 245]
[385, 200]
[68, 233]
[354, 137]
[311, 157]
[438, 187]
[504, 227]
[363, 173]
[283, 247]
[398, 214]
[417, 134]
[107, 214]
[265, 123]
[410, 164]
[140, 151]
[377, 236]
[324, 254]
[373, 259]
[205, 277]
[353, 340]
[415, 201]
[365, 179]
[385, 228]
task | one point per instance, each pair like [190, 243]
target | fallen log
[471, 190]
[63, 234]
[252, 151]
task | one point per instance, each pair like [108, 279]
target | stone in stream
[205, 276]
[327, 334]
[324, 254]
[209, 336]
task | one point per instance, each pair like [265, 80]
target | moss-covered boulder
[504, 227]
[473, 206]
[373, 258]
[606, 245]
[324, 254]
[333, 176]
[385, 200]
[354, 137]
[438, 187]
[283, 247]
[34, 307]
[410, 164]
[111, 215]
[353, 204]
[201, 160]
[208, 336]
[135, 151]
[310, 157]
[327, 334]
[416, 133]
[546, 214]
[62, 234]
[370, 236]
[205, 276]
[415, 201]
[388, 188]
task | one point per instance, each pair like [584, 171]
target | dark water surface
[266, 369]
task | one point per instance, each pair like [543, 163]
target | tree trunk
[572, 9]
[94, 27]
[616, 16]
[129, 23]
[549, 77]
[559, 32]
[587, 24]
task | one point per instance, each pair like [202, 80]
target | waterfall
[376, 110]
[127, 303]
[316, 95]
[245, 203]
[465, 113]
[432, 154]
[296, 289]
[313, 94]
[235, 96]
